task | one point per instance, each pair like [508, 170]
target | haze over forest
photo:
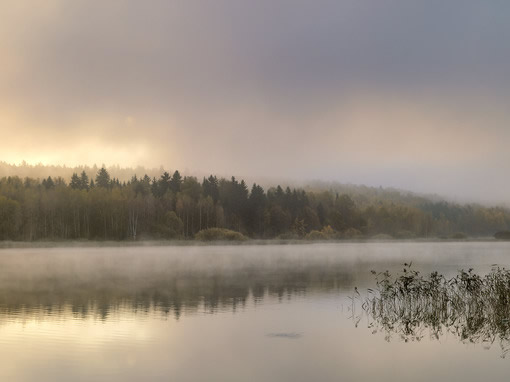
[123, 174]
[412, 95]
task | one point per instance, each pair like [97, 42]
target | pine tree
[48, 183]
[103, 178]
[84, 180]
[75, 182]
[175, 182]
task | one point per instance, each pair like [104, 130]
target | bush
[352, 233]
[212, 234]
[316, 235]
[458, 236]
[502, 235]
[171, 228]
[329, 232]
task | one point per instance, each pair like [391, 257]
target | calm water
[235, 313]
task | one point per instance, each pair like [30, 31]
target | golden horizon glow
[202, 87]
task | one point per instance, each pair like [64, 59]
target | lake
[229, 313]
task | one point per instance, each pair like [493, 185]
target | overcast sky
[410, 94]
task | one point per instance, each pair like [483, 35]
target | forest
[101, 207]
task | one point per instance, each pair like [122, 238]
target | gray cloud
[396, 93]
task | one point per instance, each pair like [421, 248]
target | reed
[475, 308]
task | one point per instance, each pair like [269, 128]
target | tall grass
[475, 308]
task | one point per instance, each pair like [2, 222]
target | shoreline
[251, 242]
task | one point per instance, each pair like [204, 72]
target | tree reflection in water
[170, 291]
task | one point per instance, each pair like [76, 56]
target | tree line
[178, 207]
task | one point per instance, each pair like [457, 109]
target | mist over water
[218, 276]
[131, 313]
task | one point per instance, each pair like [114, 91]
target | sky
[397, 93]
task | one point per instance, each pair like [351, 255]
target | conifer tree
[75, 182]
[84, 180]
[103, 178]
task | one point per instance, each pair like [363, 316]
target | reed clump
[475, 308]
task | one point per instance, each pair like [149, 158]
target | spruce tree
[75, 182]
[175, 182]
[103, 178]
[84, 180]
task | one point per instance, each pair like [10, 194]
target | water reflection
[250, 313]
[475, 308]
[97, 285]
